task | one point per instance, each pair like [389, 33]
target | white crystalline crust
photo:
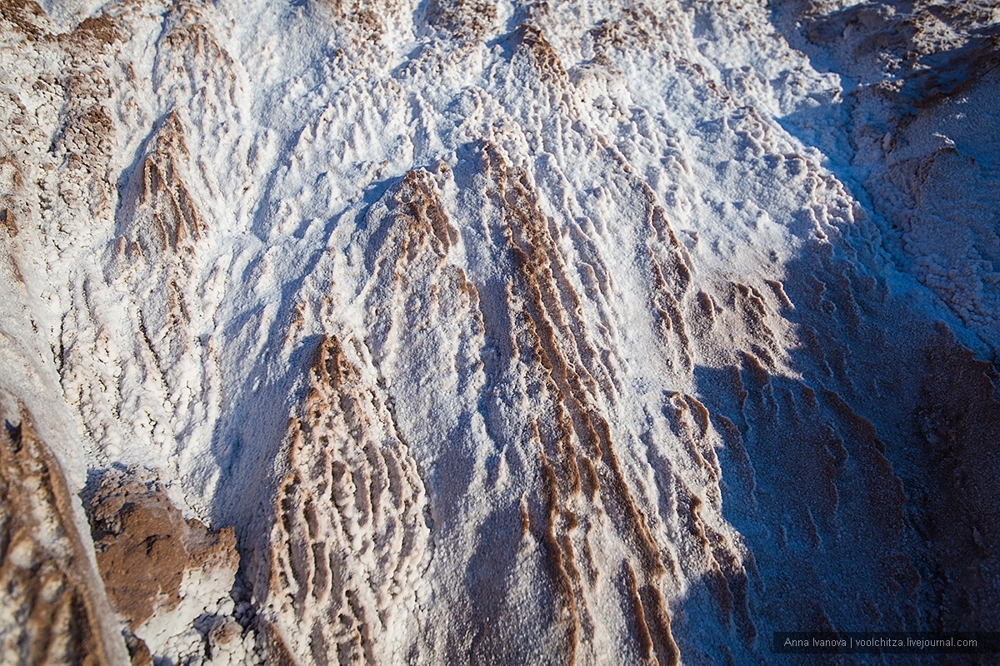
[618, 331]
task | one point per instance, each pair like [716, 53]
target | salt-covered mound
[495, 333]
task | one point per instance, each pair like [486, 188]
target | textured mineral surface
[518, 332]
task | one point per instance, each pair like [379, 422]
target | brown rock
[144, 545]
[138, 651]
[7, 222]
[54, 609]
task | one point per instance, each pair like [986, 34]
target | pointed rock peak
[161, 215]
[544, 58]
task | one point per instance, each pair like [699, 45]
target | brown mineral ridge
[144, 545]
[53, 608]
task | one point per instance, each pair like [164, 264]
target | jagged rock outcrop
[54, 609]
[342, 580]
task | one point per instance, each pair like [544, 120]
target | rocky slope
[489, 333]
